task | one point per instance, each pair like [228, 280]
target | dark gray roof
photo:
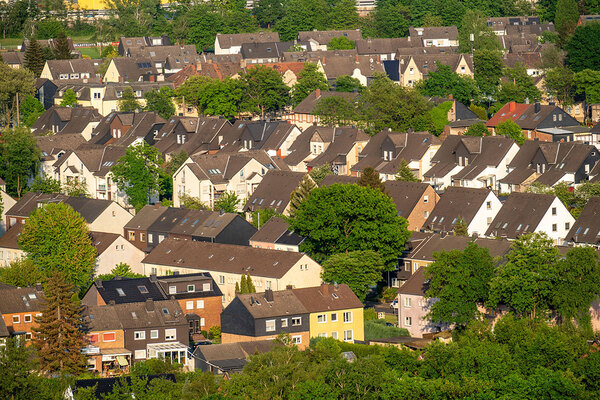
[587, 227]
[456, 201]
[425, 249]
[21, 300]
[520, 214]
[274, 191]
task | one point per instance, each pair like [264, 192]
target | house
[101, 215]
[320, 39]
[45, 90]
[342, 153]
[434, 36]
[67, 120]
[52, 147]
[414, 200]
[51, 43]
[112, 249]
[104, 386]
[227, 358]
[232, 43]
[264, 316]
[313, 141]
[269, 269]
[197, 294]
[275, 235]
[153, 223]
[476, 162]
[166, 59]
[275, 137]
[7, 203]
[334, 311]
[534, 117]
[303, 114]
[529, 212]
[125, 69]
[586, 229]
[384, 48]
[19, 308]
[90, 165]
[83, 69]
[289, 71]
[584, 19]
[191, 134]
[151, 329]
[268, 52]
[274, 191]
[531, 60]
[209, 176]
[549, 164]
[316, 56]
[413, 68]
[477, 208]
[460, 118]
[128, 128]
[10, 251]
[386, 151]
[422, 250]
[499, 24]
[206, 67]
[14, 59]
[127, 45]
[363, 68]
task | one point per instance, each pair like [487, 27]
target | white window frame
[206, 287]
[407, 321]
[297, 339]
[284, 322]
[171, 334]
[334, 335]
[140, 354]
[154, 334]
[348, 335]
[270, 325]
[27, 318]
[172, 289]
[200, 304]
[191, 286]
[347, 317]
[334, 317]
[16, 319]
[139, 335]
[299, 319]
[321, 318]
[189, 305]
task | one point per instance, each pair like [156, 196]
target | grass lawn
[93, 52]
[10, 43]
[377, 329]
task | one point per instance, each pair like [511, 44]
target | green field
[12, 43]
[93, 52]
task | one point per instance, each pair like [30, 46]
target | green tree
[525, 282]
[309, 80]
[19, 159]
[132, 17]
[137, 174]
[578, 284]
[192, 203]
[243, 288]
[268, 12]
[176, 161]
[76, 188]
[391, 20]
[488, 71]
[45, 184]
[346, 83]
[340, 43]
[510, 129]
[31, 109]
[343, 15]
[22, 273]
[34, 57]
[583, 49]
[265, 91]
[335, 111]
[56, 238]
[122, 270]
[370, 178]
[49, 28]
[161, 101]
[341, 218]
[358, 269]
[13, 82]
[460, 227]
[17, 362]
[460, 280]
[302, 15]
[406, 174]
[438, 117]
[567, 15]
[474, 34]
[444, 82]
[518, 87]
[62, 51]
[319, 173]
[250, 284]
[587, 83]
[128, 102]
[477, 129]
[559, 83]
[301, 193]
[480, 111]
[57, 338]
[69, 99]
[200, 25]
[228, 202]
[261, 216]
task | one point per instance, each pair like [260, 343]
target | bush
[370, 314]
[389, 294]
[49, 29]
[378, 329]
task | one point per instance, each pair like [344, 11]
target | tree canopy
[360, 270]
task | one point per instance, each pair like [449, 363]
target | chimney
[357, 58]
[99, 283]
[38, 287]
[199, 66]
[537, 107]
[111, 303]
[269, 295]
[152, 78]
[289, 287]
[512, 106]
[324, 289]
[318, 93]
[450, 97]
[153, 278]
[149, 305]
[336, 286]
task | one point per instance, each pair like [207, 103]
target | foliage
[342, 218]
[49, 28]
[45, 184]
[460, 281]
[22, 273]
[343, 15]
[121, 269]
[246, 285]
[389, 294]
[13, 81]
[477, 129]
[76, 188]
[19, 159]
[488, 70]
[128, 102]
[377, 329]
[340, 43]
[193, 203]
[391, 19]
[262, 215]
[583, 49]
[518, 86]
[588, 85]
[358, 269]
[267, 12]
[460, 227]
[474, 25]
[406, 174]
[335, 111]
[176, 161]
[132, 17]
[309, 79]
[370, 178]
[559, 83]
[213, 96]
[346, 83]
[62, 50]
[69, 99]
[57, 338]
[438, 116]
[302, 15]
[567, 15]
[137, 174]
[228, 202]
[319, 173]
[265, 91]
[510, 129]
[34, 57]
[444, 82]
[31, 109]
[161, 101]
[301, 193]
[479, 111]
[154, 366]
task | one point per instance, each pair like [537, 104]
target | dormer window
[388, 155]
[316, 148]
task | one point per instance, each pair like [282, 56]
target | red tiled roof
[505, 113]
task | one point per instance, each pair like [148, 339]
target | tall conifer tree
[370, 178]
[34, 57]
[301, 193]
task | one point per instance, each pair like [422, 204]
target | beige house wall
[120, 251]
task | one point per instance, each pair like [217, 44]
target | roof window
[143, 289]
[120, 291]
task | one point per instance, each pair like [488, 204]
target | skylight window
[120, 291]
[586, 231]
[32, 296]
[143, 289]
[108, 164]
[165, 311]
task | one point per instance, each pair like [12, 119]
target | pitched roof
[227, 41]
[314, 56]
[344, 139]
[10, 238]
[217, 353]
[336, 66]
[223, 258]
[276, 230]
[406, 195]
[324, 37]
[416, 284]
[265, 135]
[132, 69]
[75, 119]
[428, 62]
[510, 110]
[426, 248]
[21, 300]
[144, 218]
[285, 302]
[274, 190]
[587, 227]
[434, 32]
[378, 46]
[307, 105]
[266, 49]
[190, 134]
[54, 144]
[521, 213]
[327, 298]
[73, 66]
[145, 314]
[102, 240]
[454, 202]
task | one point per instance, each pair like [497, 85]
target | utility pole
[18, 110]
